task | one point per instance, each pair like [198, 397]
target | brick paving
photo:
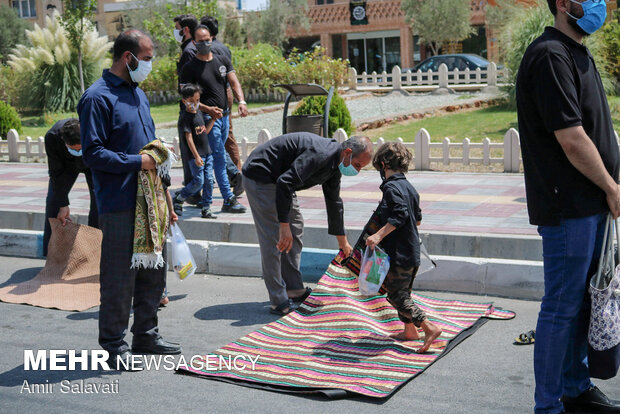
[452, 202]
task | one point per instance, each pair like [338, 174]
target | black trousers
[52, 207]
[122, 287]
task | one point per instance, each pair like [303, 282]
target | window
[25, 8]
[321, 2]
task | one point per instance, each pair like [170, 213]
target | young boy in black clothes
[399, 215]
[193, 126]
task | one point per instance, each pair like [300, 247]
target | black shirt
[400, 207]
[211, 77]
[295, 162]
[188, 51]
[194, 124]
[219, 48]
[559, 87]
[62, 167]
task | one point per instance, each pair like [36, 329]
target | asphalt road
[484, 374]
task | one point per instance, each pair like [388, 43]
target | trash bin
[317, 124]
[305, 123]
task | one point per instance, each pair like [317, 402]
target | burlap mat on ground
[70, 278]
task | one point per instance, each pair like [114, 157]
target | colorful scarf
[152, 217]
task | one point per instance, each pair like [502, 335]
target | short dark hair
[129, 40]
[211, 23]
[189, 89]
[187, 20]
[70, 132]
[552, 7]
[394, 155]
[201, 26]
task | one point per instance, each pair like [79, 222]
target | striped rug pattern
[339, 341]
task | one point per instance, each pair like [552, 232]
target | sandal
[526, 338]
[303, 296]
[284, 308]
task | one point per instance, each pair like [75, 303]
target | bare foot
[431, 332]
[410, 333]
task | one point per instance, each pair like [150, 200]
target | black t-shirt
[400, 207]
[559, 87]
[211, 77]
[194, 124]
[188, 51]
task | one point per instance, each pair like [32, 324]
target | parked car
[460, 61]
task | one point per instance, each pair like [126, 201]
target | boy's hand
[199, 162]
[373, 240]
[173, 217]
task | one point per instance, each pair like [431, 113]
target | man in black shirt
[272, 174]
[64, 163]
[212, 73]
[571, 162]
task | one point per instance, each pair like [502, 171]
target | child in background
[399, 215]
[193, 126]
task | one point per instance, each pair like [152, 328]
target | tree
[270, 25]
[233, 34]
[156, 19]
[12, 30]
[438, 21]
[76, 19]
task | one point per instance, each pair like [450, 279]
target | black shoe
[159, 347]
[303, 296]
[123, 362]
[177, 204]
[591, 400]
[207, 213]
[233, 206]
[194, 199]
[237, 185]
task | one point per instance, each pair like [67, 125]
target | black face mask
[203, 48]
[382, 173]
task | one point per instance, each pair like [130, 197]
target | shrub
[9, 85]
[339, 115]
[610, 34]
[9, 119]
[49, 69]
[163, 77]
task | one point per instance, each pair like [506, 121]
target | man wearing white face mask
[571, 164]
[64, 162]
[116, 124]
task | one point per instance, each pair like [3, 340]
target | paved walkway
[452, 202]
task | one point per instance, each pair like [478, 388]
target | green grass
[37, 125]
[476, 125]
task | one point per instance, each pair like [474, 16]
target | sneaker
[207, 213]
[233, 206]
[177, 204]
[237, 185]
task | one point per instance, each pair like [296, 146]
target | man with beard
[571, 163]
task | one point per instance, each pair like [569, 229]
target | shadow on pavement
[22, 275]
[243, 314]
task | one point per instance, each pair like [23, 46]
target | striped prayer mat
[338, 342]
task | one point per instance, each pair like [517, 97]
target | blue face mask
[74, 152]
[141, 71]
[594, 15]
[349, 171]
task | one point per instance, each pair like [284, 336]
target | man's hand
[243, 110]
[213, 111]
[286, 238]
[148, 163]
[613, 200]
[199, 162]
[63, 215]
[372, 241]
[343, 244]
[173, 217]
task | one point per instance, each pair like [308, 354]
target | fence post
[397, 79]
[446, 151]
[352, 79]
[466, 143]
[443, 76]
[340, 135]
[422, 150]
[511, 151]
[41, 148]
[13, 138]
[492, 74]
[516, 151]
[263, 136]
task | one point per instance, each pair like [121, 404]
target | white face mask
[178, 36]
[192, 106]
[142, 71]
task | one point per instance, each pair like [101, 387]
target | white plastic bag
[374, 269]
[183, 262]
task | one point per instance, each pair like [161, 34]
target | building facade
[384, 39]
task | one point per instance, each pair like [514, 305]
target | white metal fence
[424, 81]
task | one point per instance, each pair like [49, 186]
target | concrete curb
[497, 277]
[497, 246]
